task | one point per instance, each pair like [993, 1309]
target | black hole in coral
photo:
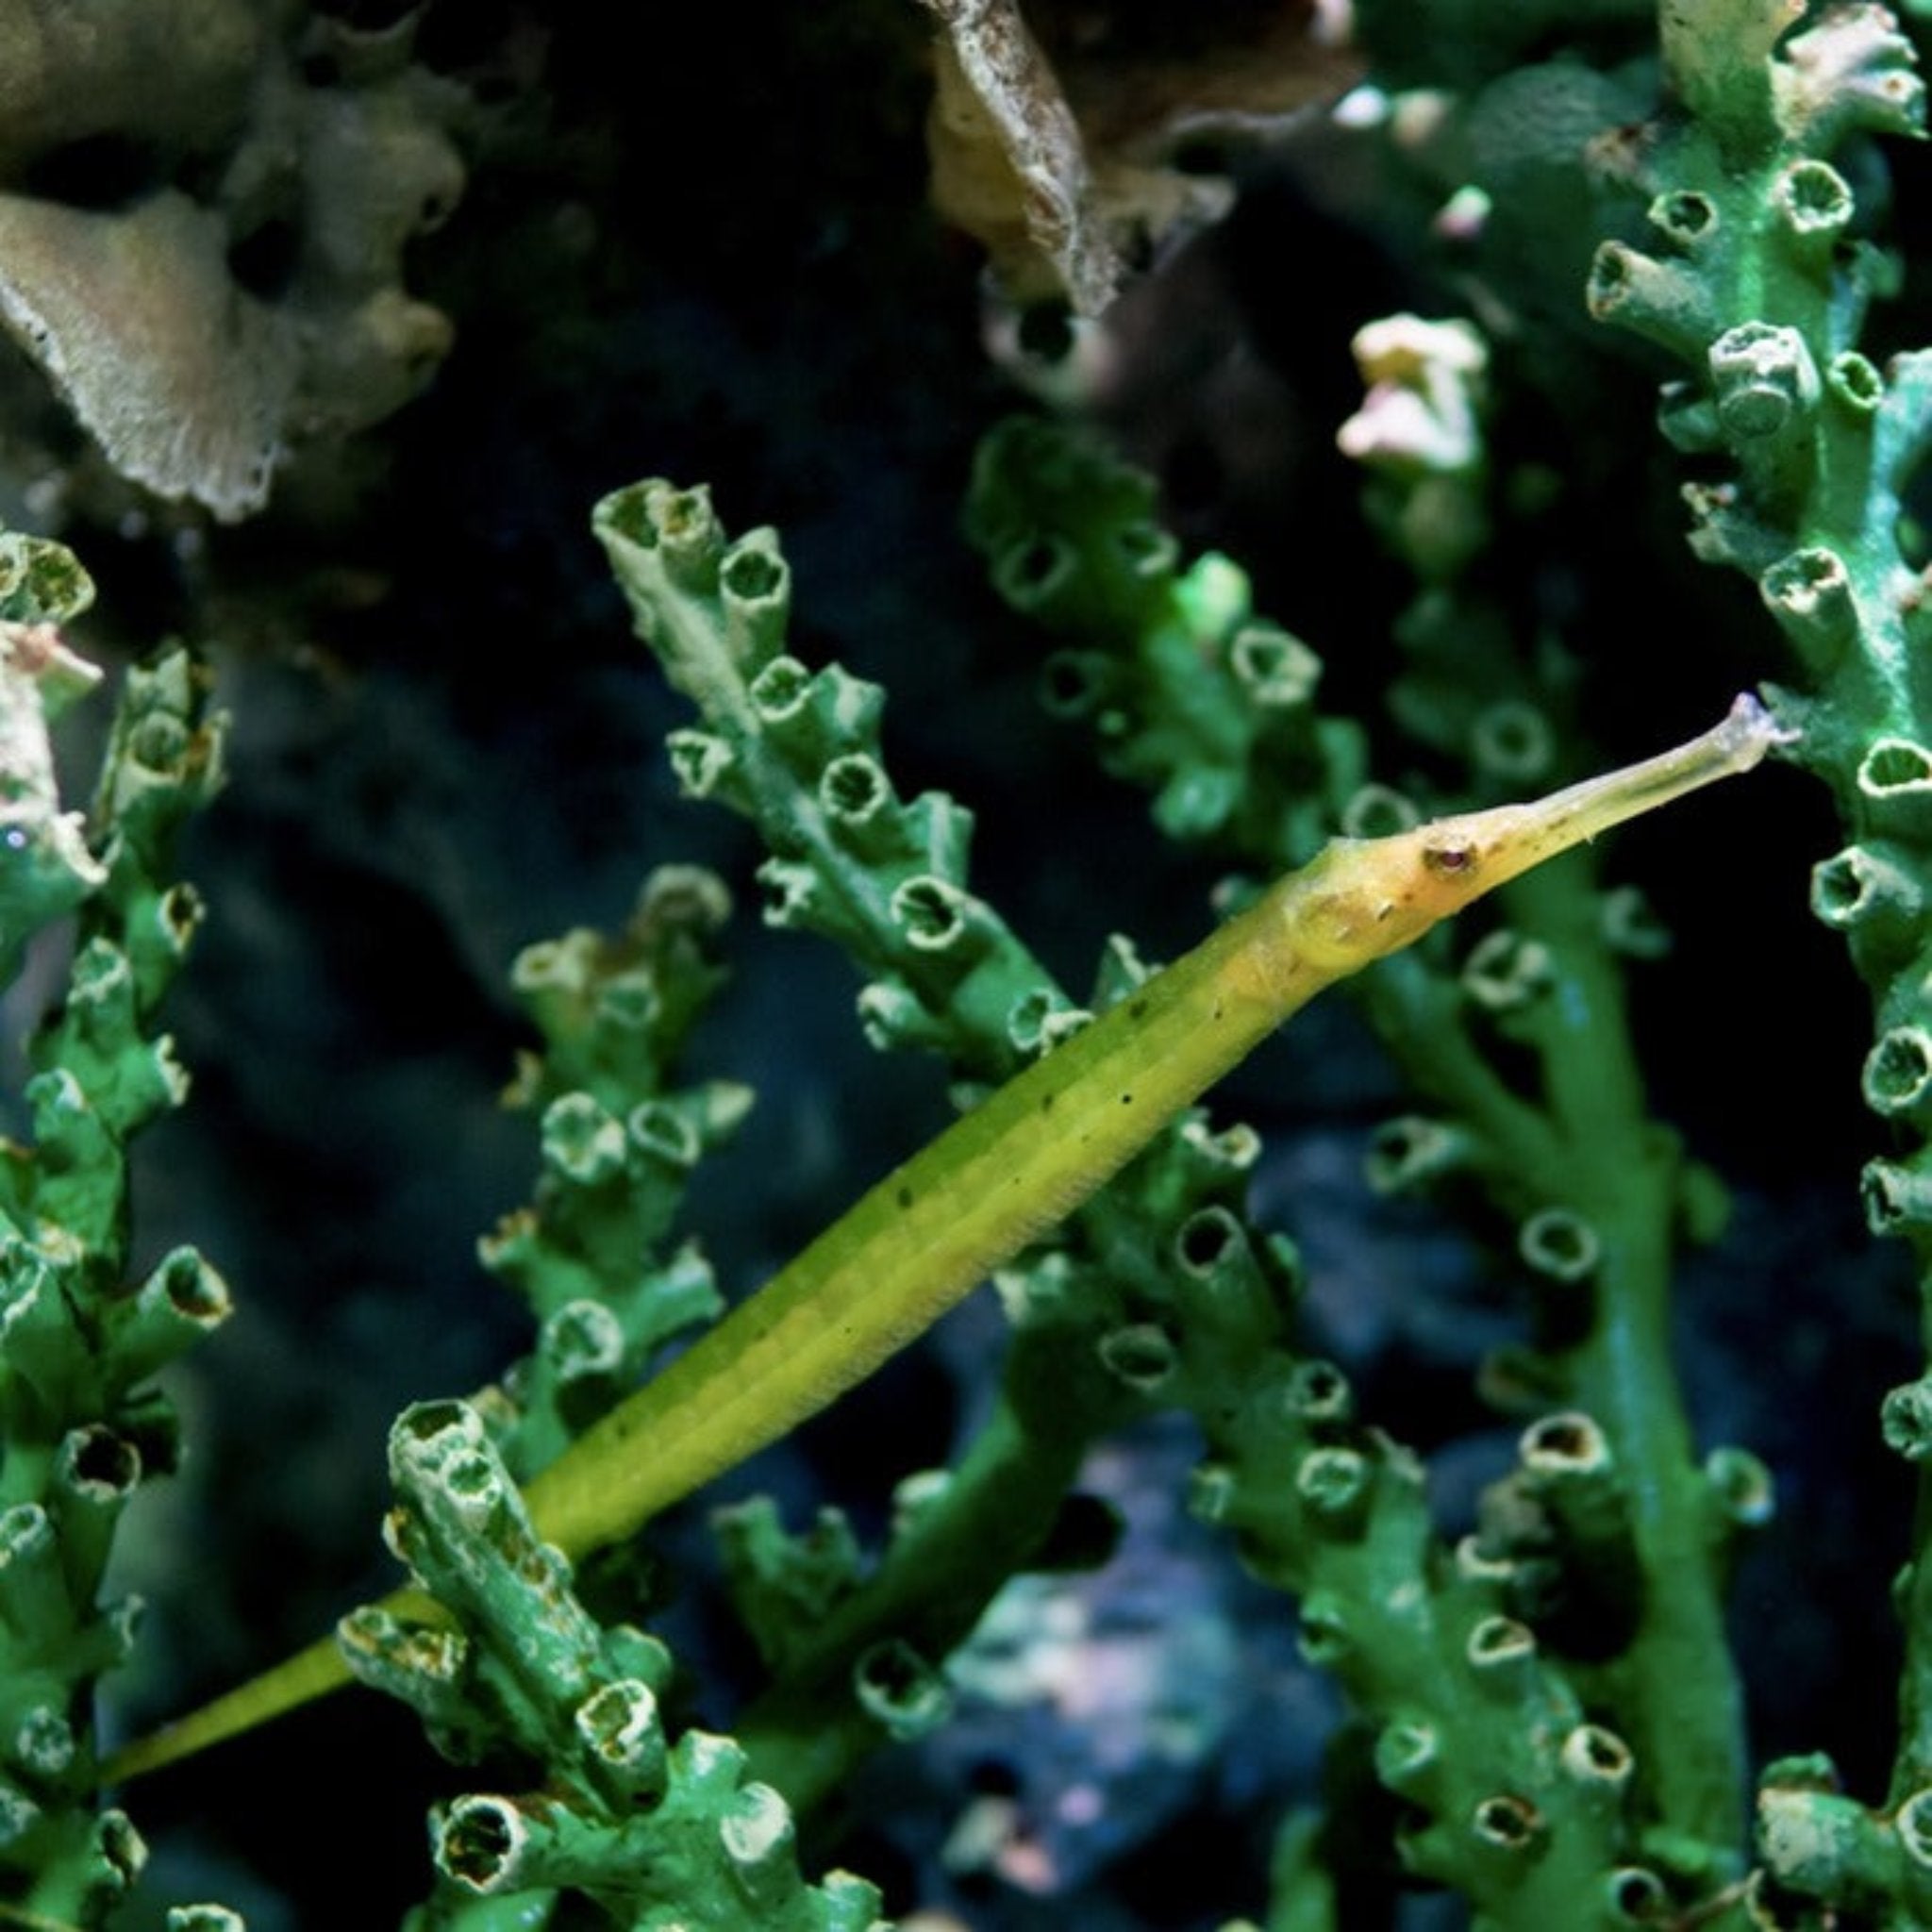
[1206, 1238]
[322, 71]
[1900, 1068]
[263, 262]
[1037, 563]
[892, 1670]
[751, 575]
[1609, 278]
[191, 1288]
[1047, 332]
[476, 1848]
[1506, 1821]
[1318, 1390]
[1817, 190]
[104, 171]
[780, 688]
[926, 912]
[854, 786]
[1636, 1894]
[1140, 545]
[105, 1459]
[1860, 379]
[1558, 1436]
[1067, 685]
[1894, 767]
[1688, 215]
[428, 1420]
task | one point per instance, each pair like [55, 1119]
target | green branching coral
[1595, 1230]
[662, 1835]
[1759, 274]
[1512, 1820]
[618, 1145]
[1545, 1698]
[799, 752]
[1213, 709]
[1154, 1295]
[80, 1422]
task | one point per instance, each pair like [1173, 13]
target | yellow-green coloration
[1013, 1167]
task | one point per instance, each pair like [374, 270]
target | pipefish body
[1021, 1162]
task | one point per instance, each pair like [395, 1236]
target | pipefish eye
[1451, 859]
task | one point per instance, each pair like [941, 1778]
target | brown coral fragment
[183, 383]
[1008, 165]
[204, 214]
[1054, 135]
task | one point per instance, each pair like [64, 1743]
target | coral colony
[1172, 1464]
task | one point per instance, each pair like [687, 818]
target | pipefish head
[1363, 898]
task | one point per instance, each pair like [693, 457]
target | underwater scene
[966, 965]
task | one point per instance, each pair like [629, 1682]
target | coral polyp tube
[1022, 1161]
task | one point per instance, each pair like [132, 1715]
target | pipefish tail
[1023, 1160]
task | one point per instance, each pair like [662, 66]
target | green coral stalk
[659, 1834]
[1758, 274]
[618, 1143]
[81, 1423]
[797, 751]
[1213, 707]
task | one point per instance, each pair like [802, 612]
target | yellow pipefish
[1018, 1163]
